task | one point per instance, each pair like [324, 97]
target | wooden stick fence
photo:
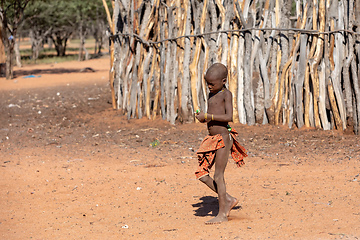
[296, 66]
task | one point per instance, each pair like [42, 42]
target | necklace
[220, 91]
[213, 94]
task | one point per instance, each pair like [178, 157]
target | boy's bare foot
[232, 203]
[216, 220]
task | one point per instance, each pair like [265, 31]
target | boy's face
[214, 84]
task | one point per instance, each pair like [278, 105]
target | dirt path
[72, 168]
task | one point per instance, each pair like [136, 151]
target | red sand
[73, 168]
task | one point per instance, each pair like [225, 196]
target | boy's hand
[200, 116]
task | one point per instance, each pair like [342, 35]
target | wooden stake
[112, 72]
[233, 77]
[194, 65]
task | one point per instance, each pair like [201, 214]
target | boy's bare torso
[216, 106]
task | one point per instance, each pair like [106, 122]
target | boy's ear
[224, 80]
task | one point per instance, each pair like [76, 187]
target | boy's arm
[200, 116]
[228, 116]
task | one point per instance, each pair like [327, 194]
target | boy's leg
[221, 159]
[210, 183]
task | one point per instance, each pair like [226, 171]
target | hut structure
[294, 63]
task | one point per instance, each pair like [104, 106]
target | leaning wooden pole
[315, 61]
[112, 49]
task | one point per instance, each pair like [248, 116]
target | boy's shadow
[209, 206]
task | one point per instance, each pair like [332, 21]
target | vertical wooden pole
[222, 40]
[112, 72]
[181, 22]
[162, 62]
[300, 76]
[240, 66]
[194, 65]
[157, 87]
[336, 73]
[233, 77]
[315, 61]
[185, 98]
[148, 82]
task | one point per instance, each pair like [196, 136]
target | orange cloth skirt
[208, 148]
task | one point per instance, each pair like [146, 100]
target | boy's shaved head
[217, 71]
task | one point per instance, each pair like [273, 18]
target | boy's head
[215, 77]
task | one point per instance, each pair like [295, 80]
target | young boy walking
[215, 148]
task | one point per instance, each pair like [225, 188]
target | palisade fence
[294, 63]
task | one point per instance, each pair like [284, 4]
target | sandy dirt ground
[73, 168]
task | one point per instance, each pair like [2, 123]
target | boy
[216, 146]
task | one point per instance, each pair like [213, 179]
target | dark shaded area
[209, 206]
[21, 73]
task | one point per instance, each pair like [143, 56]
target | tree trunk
[17, 52]
[36, 44]
[2, 60]
[60, 43]
[9, 49]
[83, 52]
[2, 48]
[9, 44]
[82, 42]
